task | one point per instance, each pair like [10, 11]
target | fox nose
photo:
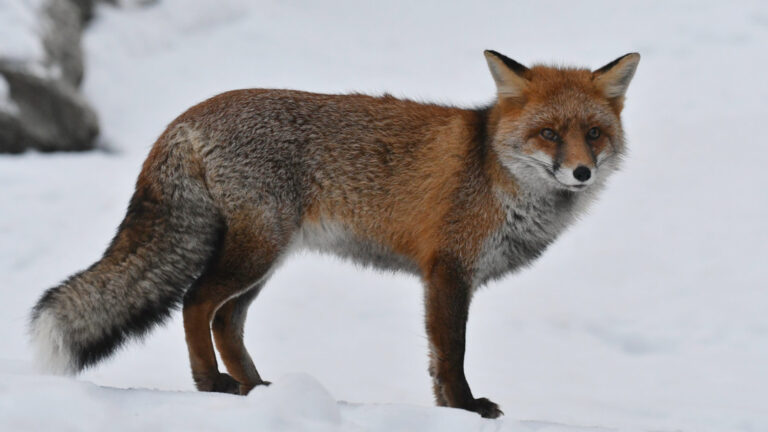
[582, 173]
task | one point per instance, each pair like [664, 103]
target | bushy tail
[165, 241]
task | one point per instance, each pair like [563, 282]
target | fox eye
[593, 133]
[548, 134]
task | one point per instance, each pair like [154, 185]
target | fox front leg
[448, 293]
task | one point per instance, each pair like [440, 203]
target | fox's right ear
[613, 78]
[510, 76]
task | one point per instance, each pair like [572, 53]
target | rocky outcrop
[40, 106]
[50, 115]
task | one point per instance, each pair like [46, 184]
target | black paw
[485, 408]
[219, 383]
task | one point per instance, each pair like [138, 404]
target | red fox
[455, 196]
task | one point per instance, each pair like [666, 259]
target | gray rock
[62, 40]
[50, 114]
[12, 139]
[85, 8]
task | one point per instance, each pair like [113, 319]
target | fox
[455, 196]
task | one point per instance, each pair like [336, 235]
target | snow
[649, 314]
[20, 31]
[296, 402]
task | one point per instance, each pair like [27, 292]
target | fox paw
[219, 383]
[485, 408]
[246, 388]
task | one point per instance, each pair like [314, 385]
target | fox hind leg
[243, 262]
[200, 304]
[228, 326]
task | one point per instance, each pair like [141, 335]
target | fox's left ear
[510, 76]
[613, 78]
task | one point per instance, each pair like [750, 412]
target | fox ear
[510, 76]
[613, 78]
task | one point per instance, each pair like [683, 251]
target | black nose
[582, 173]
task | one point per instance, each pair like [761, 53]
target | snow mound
[296, 398]
[295, 402]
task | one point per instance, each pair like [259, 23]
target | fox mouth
[566, 186]
[574, 188]
[570, 187]
[548, 171]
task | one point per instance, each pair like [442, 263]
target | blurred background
[649, 314]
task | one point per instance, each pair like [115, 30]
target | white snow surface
[20, 28]
[649, 314]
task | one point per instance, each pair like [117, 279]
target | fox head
[559, 127]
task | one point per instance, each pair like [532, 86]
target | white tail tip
[51, 352]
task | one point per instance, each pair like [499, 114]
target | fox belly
[339, 240]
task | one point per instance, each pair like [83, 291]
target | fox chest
[528, 227]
